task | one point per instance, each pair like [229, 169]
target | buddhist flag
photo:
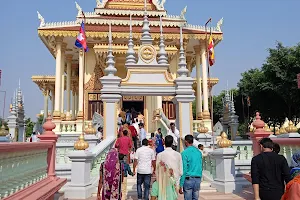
[211, 51]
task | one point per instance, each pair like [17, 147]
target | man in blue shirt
[192, 170]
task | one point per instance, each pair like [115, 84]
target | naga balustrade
[27, 170]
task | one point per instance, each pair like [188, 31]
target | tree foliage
[273, 88]
[29, 127]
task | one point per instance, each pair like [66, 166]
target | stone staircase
[131, 188]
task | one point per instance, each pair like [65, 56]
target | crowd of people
[161, 171]
[271, 176]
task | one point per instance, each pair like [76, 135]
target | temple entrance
[136, 102]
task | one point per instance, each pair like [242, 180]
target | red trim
[24, 146]
[41, 190]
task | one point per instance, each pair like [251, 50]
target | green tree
[29, 127]
[273, 88]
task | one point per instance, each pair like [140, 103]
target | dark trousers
[174, 147]
[134, 139]
[143, 179]
[270, 194]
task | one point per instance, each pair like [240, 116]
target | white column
[62, 79]
[76, 103]
[73, 105]
[205, 113]
[159, 102]
[52, 101]
[80, 86]
[69, 63]
[46, 97]
[56, 113]
[199, 86]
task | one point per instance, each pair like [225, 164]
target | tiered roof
[117, 13]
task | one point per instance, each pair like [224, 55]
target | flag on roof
[81, 39]
[211, 51]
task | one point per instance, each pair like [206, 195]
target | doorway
[137, 105]
[136, 102]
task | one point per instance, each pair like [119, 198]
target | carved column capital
[197, 49]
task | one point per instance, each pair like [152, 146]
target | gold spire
[90, 130]
[3, 131]
[291, 128]
[202, 128]
[223, 142]
[81, 144]
[282, 130]
[267, 128]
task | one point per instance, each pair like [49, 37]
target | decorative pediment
[94, 82]
[152, 5]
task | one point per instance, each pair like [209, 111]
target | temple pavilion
[76, 83]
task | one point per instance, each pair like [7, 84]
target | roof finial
[41, 18]
[182, 71]
[162, 59]
[19, 83]
[79, 9]
[13, 109]
[146, 36]
[110, 69]
[130, 58]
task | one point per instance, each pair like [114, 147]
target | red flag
[211, 51]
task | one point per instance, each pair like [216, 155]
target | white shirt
[136, 126]
[175, 136]
[144, 156]
[142, 135]
[99, 136]
[173, 160]
[34, 138]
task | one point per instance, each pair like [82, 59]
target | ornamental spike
[162, 55]
[182, 71]
[110, 70]
[130, 58]
[146, 36]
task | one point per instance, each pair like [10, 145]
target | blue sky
[250, 27]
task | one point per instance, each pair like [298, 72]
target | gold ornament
[252, 128]
[202, 128]
[267, 128]
[291, 128]
[223, 142]
[81, 144]
[90, 130]
[147, 53]
[282, 130]
[3, 131]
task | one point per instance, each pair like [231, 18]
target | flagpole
[209, 82]
[83, 92]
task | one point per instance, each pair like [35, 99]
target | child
[201, 149]
[126, 167]
[152, 141]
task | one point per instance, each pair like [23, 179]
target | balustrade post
[258, 134]
[80, 186]
[49, 136]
